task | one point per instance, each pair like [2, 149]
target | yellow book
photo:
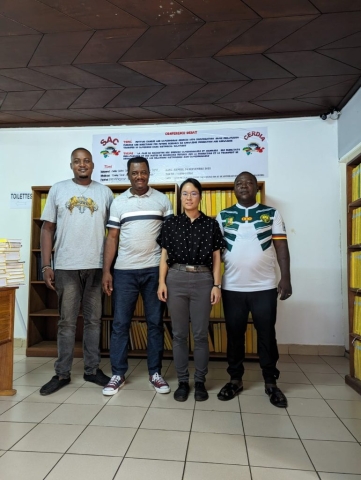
[258, 197]
[135, 340]
[353, 184]
[229, 198]
[218, 202]
[254, 340]
[170, 340]
[138, 339]
[144, 330]
[214, 206]
[249, 341]
[191, 338]
[234, 198]
[140, 335]
[215, 337]
[43, 197]
[208, 205]
[217, 310]
[210, 343]
[224, 337]
[223, 200]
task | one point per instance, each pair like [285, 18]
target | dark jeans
[263, 306]
[189, 298]
[127, 286]
[75, 287]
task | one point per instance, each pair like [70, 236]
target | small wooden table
[7, 310]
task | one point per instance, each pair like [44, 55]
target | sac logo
[246, 219]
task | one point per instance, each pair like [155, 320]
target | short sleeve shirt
[139, 218]
[80, 214]
[191, 243]
[250, 257]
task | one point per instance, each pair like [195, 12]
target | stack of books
[11, 268]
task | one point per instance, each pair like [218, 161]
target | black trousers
[263, 306]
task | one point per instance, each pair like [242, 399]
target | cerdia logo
[254, 146]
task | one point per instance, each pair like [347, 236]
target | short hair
[137, 160]
[248, 173]
[80, 148]
[194, 182]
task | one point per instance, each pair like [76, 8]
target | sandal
[229, 391]
[276, 397]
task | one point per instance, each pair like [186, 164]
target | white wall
[303, 183]
[349, 132]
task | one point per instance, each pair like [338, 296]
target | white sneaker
[115, 383]
[159, 384]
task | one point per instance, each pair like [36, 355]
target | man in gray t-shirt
[75, 216]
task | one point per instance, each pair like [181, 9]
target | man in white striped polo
[136, 217]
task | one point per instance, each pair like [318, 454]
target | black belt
[190, 268]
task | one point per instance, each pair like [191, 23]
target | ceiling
[101, 62]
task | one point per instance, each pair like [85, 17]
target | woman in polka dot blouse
[189, 281]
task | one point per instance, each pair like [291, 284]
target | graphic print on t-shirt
[82, 204]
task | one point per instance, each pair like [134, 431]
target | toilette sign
[173, 155]
[20, 200]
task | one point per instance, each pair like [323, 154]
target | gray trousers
[75, 287]
[189, 298]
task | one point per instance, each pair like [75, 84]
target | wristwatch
[218, 286]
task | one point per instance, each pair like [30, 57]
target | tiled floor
[77, 433]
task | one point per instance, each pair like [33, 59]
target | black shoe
[99, 378]
[182, 392]
[276, 397]
[200, 393]
[54, 385]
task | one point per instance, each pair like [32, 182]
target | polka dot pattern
[191, 243]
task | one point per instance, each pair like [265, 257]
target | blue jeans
[127, 286]
[75, 287]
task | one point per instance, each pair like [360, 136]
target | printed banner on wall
[174, 155]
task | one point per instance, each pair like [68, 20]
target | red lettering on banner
[255, 134]
[114, 141]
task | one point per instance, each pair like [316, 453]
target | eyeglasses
[191, 194]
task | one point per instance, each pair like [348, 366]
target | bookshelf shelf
[354, 271]
[43, 310]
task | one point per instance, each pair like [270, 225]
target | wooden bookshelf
[354, 285]
[43, 307]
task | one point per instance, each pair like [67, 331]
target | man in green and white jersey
[256, 240]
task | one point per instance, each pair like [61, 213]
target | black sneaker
[99, 378]
[54, 385]
[182, 392]
[200, 393]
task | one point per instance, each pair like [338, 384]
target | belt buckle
[190, 268]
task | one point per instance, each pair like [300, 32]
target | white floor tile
[215, 471]
[85, 467]
[262, 473]
[107, 441]
[139, 468]
[278, 453]
[27, 465]
[335, 457]
[217, 448]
